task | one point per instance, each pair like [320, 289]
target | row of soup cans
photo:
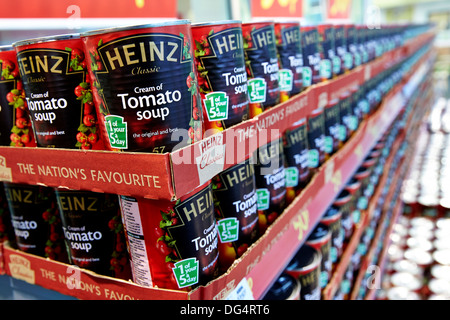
[90, 229]
[155, 88]
[179, 245]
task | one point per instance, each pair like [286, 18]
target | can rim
[213, 23]
[136, 27]
[58, 37]
[6, 47]
[265, 21]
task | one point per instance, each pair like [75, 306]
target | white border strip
[74, 23]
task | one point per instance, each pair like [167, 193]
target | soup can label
[93, 232]
[352, 44]
[36, 220]
[145, 86]
[348, 119]
[341, 45]
[332, 127]
[306, 267]
[327, 51]
[222, 77]
[290, 59]
[311, 56]
[235, 204]
[296, 150]
[316, 138]
[6, 229]
[262, 66]
[332, 219]
[15, 124]
[320, 239]
[270, 182]
[173, 245]
[58, 92]
[361, 41]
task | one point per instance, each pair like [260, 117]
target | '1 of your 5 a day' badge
[117, 131]
[216, 104]
[186, 272]
[228, 229]
[257, 89]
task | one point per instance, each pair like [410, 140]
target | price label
[241, 292]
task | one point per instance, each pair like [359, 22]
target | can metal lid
[395, 253]
[442, 234]
[421, 232]
[7, 47]
[441, 244]
[419, 256]
[442, 256]
[353, 185]
[400, 229]
[439, 286]
[402, 293]
[216, 23]
[286, 287]
[331, 214]
[407, 280]
[320, 233]
[439, 271]
[307, 258]
[46, 39]
[174, 22]
[422, 222]
[439, 297]
[420, 243]
[408, 266]
[344, 197]
[443, 223]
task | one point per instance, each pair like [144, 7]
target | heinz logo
[310, 37]
[263, 37]
[142, 49]
[227, 41]
[42, 61]
[292, 35]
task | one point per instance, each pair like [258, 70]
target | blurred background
[24, 19]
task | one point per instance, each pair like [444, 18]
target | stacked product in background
[419, 255]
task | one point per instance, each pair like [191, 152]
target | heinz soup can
[296, 149]
[58, 92]
[235, 205]
[270, 182]
[311, 55]
[36, 220]
[306, 267]
[173, 245]
[145, 87]
[261, 65]
[93, 232]
[290, 59]
[320, 239]
[15, 123]
[222, 77]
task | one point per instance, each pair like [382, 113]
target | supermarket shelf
[271, 253]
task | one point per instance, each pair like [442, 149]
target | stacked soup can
[419, 261]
